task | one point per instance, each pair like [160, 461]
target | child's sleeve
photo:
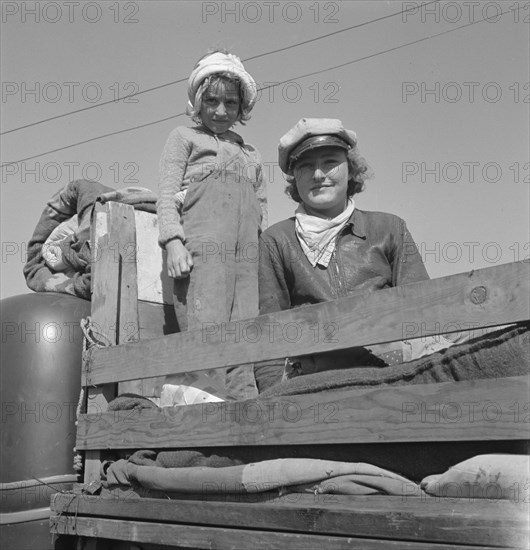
[172, 169]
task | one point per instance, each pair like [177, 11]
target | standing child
[211, 205]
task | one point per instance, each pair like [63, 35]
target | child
[211, 204]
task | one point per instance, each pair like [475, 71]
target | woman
[331, 249]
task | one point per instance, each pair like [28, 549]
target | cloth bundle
[76, 198]
[504, 352]
[181, 459]
[286, 474]
[492, 477]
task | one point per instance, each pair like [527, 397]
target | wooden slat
[128, 329]
[114, 311]
[452, 411]
[105, 273]
[481, 298]
[501, 523]
[155, 320]
[154, 284]
[187, 536]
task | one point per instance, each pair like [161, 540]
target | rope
[94, 338]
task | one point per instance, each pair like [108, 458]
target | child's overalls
[221, 219]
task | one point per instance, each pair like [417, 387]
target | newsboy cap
[310, 133]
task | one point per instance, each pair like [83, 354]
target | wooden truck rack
[131, 347]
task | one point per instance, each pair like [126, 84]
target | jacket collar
[356, 223]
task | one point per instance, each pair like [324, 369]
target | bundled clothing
[77, 198]
[496, 354]
[297, 475]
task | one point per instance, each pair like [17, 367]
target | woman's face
[220, 106]
[321, 177]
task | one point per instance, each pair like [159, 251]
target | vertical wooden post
[128, 329]
[114, 299]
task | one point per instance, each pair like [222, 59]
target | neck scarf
[317, 236]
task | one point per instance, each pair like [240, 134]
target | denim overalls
[221, 220]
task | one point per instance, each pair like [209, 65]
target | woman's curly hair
[358, 173]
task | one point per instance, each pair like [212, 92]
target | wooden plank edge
[485, 297]
[189, 536]
[456, 521]
[489, 409]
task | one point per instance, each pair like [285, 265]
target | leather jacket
[374, 251]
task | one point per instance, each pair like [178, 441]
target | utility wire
[264, 88]
[117, 99]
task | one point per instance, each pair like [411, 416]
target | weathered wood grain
[114, 312]
[190, 536]
[452, 411]
[104, 311]
[154, 284]
[486, 297]
[464, 521]
[127, 325]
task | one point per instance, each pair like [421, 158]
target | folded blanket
[262, 476]
[130, 401]
[358, 484]
[181, 459]
[505, 352]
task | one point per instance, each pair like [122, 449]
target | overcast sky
[443, 121]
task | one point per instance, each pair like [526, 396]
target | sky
[439, 101]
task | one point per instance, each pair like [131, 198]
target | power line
[338, 32]
[116, 100]
[261, 89]
[93, 106]
[93, 139]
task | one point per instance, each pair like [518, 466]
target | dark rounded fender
[40, 380]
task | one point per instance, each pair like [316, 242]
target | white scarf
[318, 236]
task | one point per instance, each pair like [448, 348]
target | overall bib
[221, 219]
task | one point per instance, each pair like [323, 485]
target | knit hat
[219, 62]
[310, 133]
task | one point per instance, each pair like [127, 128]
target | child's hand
[179, 261]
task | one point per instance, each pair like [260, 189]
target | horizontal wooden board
[191, 536]
[481, 298]
[501, 523]
[451, 411]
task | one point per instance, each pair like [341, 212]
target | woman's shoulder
[376, 217]
[379, 224]
[280, 230]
